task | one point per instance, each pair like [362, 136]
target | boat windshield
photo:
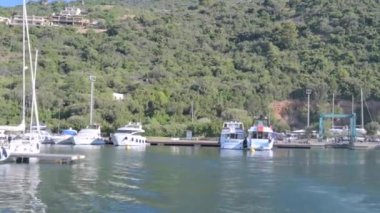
[127, 131]
[259, 135]
[232, 136]
[261, 122]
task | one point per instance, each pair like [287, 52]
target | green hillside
[231, 59]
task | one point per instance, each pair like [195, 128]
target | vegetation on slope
[231, 59]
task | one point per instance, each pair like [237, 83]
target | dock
[182, 142]
[56, 158]
[298, 144]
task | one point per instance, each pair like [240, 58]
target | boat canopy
[69, 132]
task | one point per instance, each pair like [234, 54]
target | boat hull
[24, 145]
[232, 144]
[260, 144]
[63, 140]
[88, 141]
[126, 140]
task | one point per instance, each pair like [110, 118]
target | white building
[117, 96]
[71, 11]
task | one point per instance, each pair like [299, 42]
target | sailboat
[24, 143]
[92, 134]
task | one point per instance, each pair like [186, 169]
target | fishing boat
[129, 135]
[232, 135]
[260, 135]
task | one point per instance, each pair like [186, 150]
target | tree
[372, 128]
[206, 2]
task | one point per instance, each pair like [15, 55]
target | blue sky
[11, 3]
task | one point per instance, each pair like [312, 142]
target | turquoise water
[187, 179]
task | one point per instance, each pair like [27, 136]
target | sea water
[194, 179]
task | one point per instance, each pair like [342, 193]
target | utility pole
[308, 92]
[92, 80]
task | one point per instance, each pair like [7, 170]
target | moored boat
[66, 137]
[129, 135]
[232, 135]
[260, 135]
[25, 143]
[89, 136]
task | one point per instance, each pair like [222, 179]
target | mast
[192, 110]
[333, 110]
[34, 95]
[361, 105]
[24, 67]
[92, 79]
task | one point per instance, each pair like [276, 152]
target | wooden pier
[181, 142]
[56, 158]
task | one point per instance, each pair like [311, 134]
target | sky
[11, 3]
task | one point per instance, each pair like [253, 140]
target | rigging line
[369, 113]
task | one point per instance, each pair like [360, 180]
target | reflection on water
[265, 154]
[246, 178]
[108, 180]
[19, 188]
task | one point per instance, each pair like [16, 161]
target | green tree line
[193, 64]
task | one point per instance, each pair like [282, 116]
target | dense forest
[192, 64]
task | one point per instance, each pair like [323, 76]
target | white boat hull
[21, 146]
[63, 139]
[126, 140]
[232, 144]
[88, 141]
[260, 144]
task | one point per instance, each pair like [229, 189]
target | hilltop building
[69, 16]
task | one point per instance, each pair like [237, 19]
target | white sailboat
[24, 143]
[92, 134]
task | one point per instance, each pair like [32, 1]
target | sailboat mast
[333, 110]
[34, 99]
[92, 79]
[23, 63]
[362, 113]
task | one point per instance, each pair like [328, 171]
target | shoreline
[298, 144]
